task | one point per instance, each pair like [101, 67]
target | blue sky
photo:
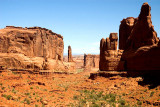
[82, 23]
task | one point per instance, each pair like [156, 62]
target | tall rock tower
[70, 59]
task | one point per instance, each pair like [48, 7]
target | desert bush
[27, 101]
[14, 91]
[96, 99]
[145, 90]
[152, 93]
[139, 103]
[27, 93]
[8, 97]
[122, 102]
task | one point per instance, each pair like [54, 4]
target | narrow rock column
[70, 59]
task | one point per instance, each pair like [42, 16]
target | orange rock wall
[91, 61]
[109, 55]
[35, 41]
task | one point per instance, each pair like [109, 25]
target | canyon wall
[33, 41]
[32, 48]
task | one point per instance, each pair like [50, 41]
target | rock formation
[33, 41]
[125, 29]
[31, 48]
[137, 32]
[91, 61]
[109, 55]
[141, 50]
[70, 59]
[143, 33]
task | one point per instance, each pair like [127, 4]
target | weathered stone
[91, 61]
[70, 59]
[36, 41]
[113, 41]
[143, 33]
[142, 52]
[32, 48]
[109, 56]
[125, 29]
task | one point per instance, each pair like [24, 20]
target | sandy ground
[59, 90]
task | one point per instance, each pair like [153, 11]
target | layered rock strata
[109, 55]
[141, 52]
[31, 48]
[91, 61]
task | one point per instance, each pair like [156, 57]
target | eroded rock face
[34, 41]
[145, 58]
[142, 53]
[109, 55]
[91, 61]
[70, 59]
[143, 33]
[125, 29]
[32, 48]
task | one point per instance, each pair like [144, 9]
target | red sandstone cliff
[91, 61]
[109, 55]
[32, 48]
[141, 50]
[125, 29]
[33, 41]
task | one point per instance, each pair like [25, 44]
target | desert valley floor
[74, 90]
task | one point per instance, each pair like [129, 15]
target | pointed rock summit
[143, 33]
[137, 32]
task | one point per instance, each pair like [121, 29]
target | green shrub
[152, 93]
[27, 93]
[139, 103]
[122, 102]
[8, 97]
[36, 105]
[75, 97]
[27, 101]
[145, 90]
